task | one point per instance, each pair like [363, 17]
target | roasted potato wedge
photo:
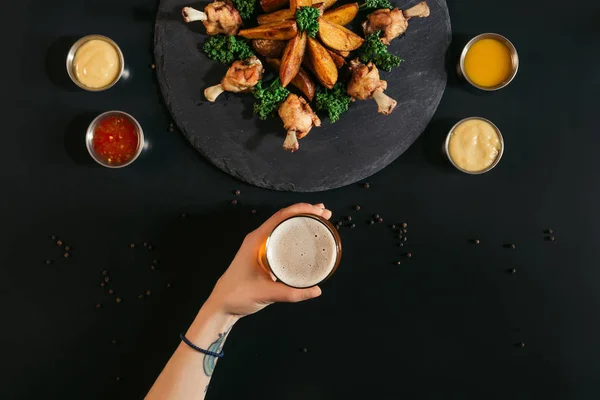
[302, 80]
[337, 59]
[269, 48]
[326, 3]
[284, 30]
[342, 15]
[322, 64]
[273, 5]
[292, 58]
[337, 37]
[277, 16]
[294, 4]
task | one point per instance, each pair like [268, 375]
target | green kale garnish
[268, 98]
[226, 49]
[307, 19]
[375, 51]
[335, 101]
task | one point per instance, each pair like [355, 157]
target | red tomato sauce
[115, 140]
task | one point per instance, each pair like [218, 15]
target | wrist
[210, 321]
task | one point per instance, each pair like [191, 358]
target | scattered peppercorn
[549, 231]
[393, 227]
[110, 291]
[107, 279]
[366, 185]
[551, 238]
[404, 231]
[398, 262]
[253, 211]
[153, 66]
[102, 284]
[53, 237]
[401, 244]
[352, 225]
[105, 272]
[148, 293]
[183, 215]
[357, 207]
[304, 350]
[150, 247]
[118, 378]
[114, 341]
[405, 238]
[380, 220]
[349, 218]
[375, 216]
[476, 241]
[132, 245]
[168, 285]
[371, 222]
[118, 300]
[409, 255]
[171, 127]
[98, 306]
[234, 202]
[237, 192]
[48, 262]
[67, 248]
[152, 267]
[521, 344]
[140, 296]
[66, 255]
[404, 225]
[511, 246]
[145, 244]
[513, 271]
[59, 242]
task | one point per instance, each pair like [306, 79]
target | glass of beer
[302, 251]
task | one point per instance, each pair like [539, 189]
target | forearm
[188, 372]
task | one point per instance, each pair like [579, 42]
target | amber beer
[302, 251]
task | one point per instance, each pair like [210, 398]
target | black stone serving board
[361, 143]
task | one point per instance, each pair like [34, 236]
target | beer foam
[301, 251]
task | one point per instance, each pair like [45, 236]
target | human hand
[246, 288]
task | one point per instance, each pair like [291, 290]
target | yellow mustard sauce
[96, 64]
[488, 63]
[474, 145]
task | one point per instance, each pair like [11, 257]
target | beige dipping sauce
[96, 64]
[474, 145]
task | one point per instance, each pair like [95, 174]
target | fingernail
[320, 205]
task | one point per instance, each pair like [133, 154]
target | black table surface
[444, 324]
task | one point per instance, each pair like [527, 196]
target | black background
[442, 325]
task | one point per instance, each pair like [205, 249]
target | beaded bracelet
[207, 352]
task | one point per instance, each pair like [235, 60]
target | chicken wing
[298, 119]
[218, 17]
[241, 77]
[393, 23]
[365, 84]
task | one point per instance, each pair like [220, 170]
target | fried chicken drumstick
[241, 77]
[393, 23]
[365, 84]
[218, 17]
[298, 119]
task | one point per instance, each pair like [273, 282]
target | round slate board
[361, 143]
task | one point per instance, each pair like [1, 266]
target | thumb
[282, 293]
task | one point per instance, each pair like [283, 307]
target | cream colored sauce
[474, 145]
[96, 64]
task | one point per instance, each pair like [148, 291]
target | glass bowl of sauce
[489, 62]
[114, 139]
[95, 63]
[474, 145]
